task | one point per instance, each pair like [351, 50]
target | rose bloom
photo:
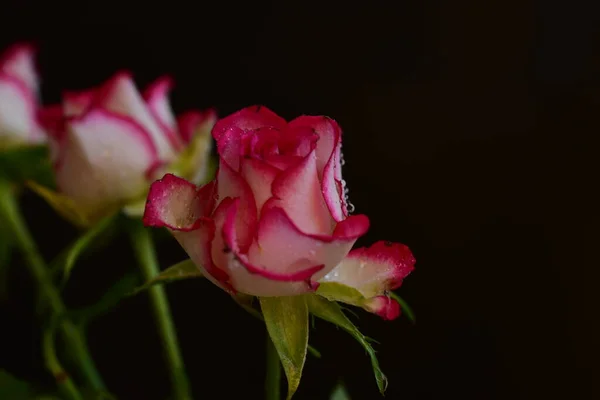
[275, 220]
[109, 143]
[19, 98]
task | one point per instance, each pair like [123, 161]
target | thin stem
[63, 381]
[144, 249]
[48, 292]
[273, 379]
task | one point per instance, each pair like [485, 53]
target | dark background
[469, 135]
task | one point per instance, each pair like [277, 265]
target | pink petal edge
[384, 306]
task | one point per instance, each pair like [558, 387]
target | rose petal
[194, 123]
[298, 193]
[52, 120]
[247, 119]
[18, 62]
[374, 270]
[231, 184]
[384, 306]
[283, 249]
[230, 147]
[75, 103]
[18, 122]
[106, 159]
[259, 176]
[120, 96]
[157, 98]
[333, 192]
[251, 279]
[329, 134]
[178, 204]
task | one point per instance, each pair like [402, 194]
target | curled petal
[231, 184]
[384, 306]
[374, 270]
[329, 134]
[198, 244]
[120, 96]
[259, 176]
[365, 276]
[177, 204]
[248, 119]
[298, 192]
[106, 159]
[256, 279]
[282, 251]
[333, 191]
[19, 62]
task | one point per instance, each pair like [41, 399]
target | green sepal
[335, 291]
[286, 319]
[62, 204]
[183, 270]
[332, 312]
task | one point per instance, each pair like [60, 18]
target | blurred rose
[109, 143]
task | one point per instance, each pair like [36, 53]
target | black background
[468, 135]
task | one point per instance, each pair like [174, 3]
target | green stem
[273, 379]
[144, 249]
[63, 381]
[48, 292]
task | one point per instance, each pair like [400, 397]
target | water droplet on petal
[349, 207]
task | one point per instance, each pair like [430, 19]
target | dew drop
[350, 207]
[342, 161]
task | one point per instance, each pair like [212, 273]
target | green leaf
[13, 388]
[245, 301]
[24, 163]
[287, 323]
[66, 261]
[183, 270]
[339, 393]
[331, 311]
[406, 309]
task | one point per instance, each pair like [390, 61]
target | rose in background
[109, 143]
[19, 97]
[275, 221]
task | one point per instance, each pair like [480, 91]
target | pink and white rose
[275, 221]
[19, 87]
[109, 143]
